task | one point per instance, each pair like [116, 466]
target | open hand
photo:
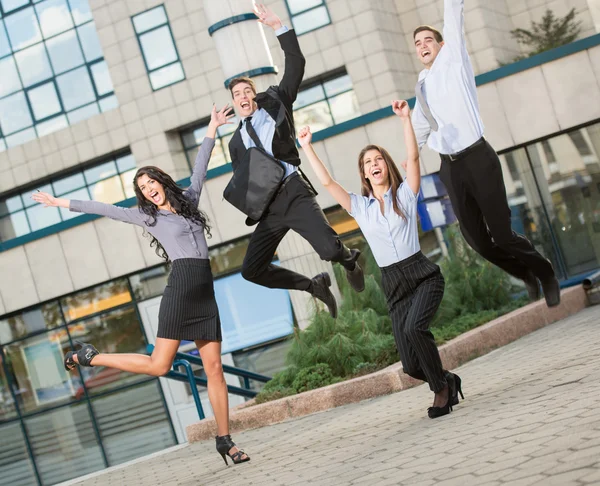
[44, 198]
[401, 108]
[222, 117]
[304, 136]
[266, 16]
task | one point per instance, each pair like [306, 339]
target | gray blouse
[180, 237]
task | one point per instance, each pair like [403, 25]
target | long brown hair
[174, 194]
[393, 174]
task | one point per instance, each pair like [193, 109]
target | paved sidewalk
[531, 416]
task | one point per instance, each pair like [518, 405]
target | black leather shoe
[320, 289]
[551, 290]
[532, 286]
[356, 276]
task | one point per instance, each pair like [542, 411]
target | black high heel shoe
[85, 354]
[455, 384]
[224, 445]
[435, 412]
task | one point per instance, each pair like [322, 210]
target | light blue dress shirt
[391, 237]
[450, 91]
[264, 126]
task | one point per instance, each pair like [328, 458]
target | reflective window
[308, 15]
[96, 299]
[53, 71]
[110, 181]
[192, 139]
[15, 463]
[326, 102]
[158, 47]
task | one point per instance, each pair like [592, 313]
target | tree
[551, 32]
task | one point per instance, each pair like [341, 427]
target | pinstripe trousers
[414, 288]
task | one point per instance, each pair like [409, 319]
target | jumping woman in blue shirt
[387, 215]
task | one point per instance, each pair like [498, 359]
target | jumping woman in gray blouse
[387, 215]
[188, 309]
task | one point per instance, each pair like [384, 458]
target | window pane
[81, 195]
[344, 107]
[10, 205]
[15, 464]
[95, 300]
[44, 101]
[194, 137]
[125, 162]
[9, 81]
[80, 10]
[313, 19]
[337, 85]
[108, 103]
[108, 191]
[9, 5]
[13, 226]
[61, 456]
[127, 182]
[100, 172]
[317, 116]
[65, 52]
[133, 423]
[102, 78]
[19, 138]
[308, 96]
[166, 76]
[150, 283]
[54, 17]
[4, 45]
[89, 41]
[83, 113]
[41, 217]
[149, 19]
[75, 88]
[47, 316]
[158, 48]
[23, 29]
[67, 184]
[36, 365]
[52, 125]
[33, 65]
[14, 113]
[301, 5]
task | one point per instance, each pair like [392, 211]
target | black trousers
[414, 289]
[476, 189]
[293, 208]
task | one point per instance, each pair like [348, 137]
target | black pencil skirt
[188, 309]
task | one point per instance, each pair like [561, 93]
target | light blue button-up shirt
[391, 237]
[450, 91]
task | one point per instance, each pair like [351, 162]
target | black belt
[462, 153]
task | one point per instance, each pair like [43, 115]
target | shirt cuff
[282, 30]
[75, 206]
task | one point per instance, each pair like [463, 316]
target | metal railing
[186, 360]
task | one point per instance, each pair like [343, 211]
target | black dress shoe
[551, 290]
[455, 385]
[356, 276]
[320, 289]
[532, 286]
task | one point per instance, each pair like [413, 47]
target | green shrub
[315, 376]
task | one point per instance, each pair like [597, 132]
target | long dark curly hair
[181, 204]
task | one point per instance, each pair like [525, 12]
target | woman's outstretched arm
[413, 169]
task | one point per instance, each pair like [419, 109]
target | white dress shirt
[450, 91]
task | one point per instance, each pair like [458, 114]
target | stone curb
[465, 347]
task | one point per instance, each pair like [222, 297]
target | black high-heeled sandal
[85, 354]
[455, 384]
[435, 412]
[224, 445]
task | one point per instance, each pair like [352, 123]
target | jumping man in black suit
[268, 117]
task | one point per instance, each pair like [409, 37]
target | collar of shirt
[387, 195]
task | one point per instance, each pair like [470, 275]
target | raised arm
[413, 169]
[337, 191]
[454, 20]
[294, 60]
[126, 215]
[217, 118]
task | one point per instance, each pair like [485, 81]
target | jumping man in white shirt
[446, 117]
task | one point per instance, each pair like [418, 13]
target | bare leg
[210, 352]
[158, 364]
